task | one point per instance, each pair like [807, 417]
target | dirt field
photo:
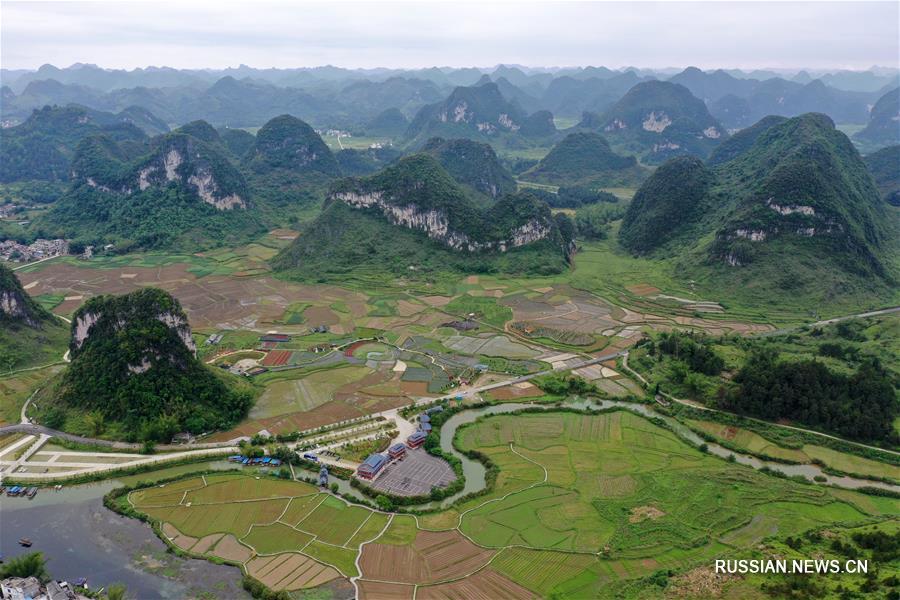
[211, 301]
[487, 584]
[433, 557]
[230, 549]
[376, 590]
[290, 571]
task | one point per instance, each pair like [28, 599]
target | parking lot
[415, 475]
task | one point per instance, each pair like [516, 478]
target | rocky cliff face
[178, 157]
[12, 305]
[182, 160]
[85, 321]
[135, 319]
[16, 306]
[435, 223]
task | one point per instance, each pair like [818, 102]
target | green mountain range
[884, 165]
[472, 163]
[585, 159]
[413, 217]
[479, 112]
[42, 147]
[795, 211]
[176, 191]
[134, 367]
[658, 120]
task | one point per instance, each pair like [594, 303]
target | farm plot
[233, 517]
[333, 521]
[211, 292]
[286, 396]
[431, 557]
[582, 504]
[756, 444]
[617, 482]
[486, 584]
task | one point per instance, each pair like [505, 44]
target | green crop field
[583, 506]
[297, 392]
[275, 538]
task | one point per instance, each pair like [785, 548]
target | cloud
[370, 34]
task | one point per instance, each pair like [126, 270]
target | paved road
[36, 262]
[873, 313]
[32, 429]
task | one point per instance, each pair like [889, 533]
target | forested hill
[659, 120]
[413, 215]
[288, 143]
[585, 159]
[134, 363]
[884, 120]
[884, 165]
[42, 147]
[795, 209]
[472, 163]
[175, 191]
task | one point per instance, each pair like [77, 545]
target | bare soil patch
[376, 590]
[642, 289]
[206, 543]
[702, 582]
[232, 550]
[642, 513]
[434, 556]
[487, 584]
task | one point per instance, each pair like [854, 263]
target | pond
[79, 537]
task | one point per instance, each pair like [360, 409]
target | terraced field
[583, 505]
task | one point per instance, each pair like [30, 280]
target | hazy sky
[191, 34]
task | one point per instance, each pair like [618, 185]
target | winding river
[81, 538]
[475, 471]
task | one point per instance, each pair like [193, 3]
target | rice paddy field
[584, 506]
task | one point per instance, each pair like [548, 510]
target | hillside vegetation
[794, 212]
[29, 334]
[134, 373]
[585, 159]
[659, 120]
[413, 217]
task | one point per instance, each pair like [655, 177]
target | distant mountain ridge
[659, 120]
[477, 112]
